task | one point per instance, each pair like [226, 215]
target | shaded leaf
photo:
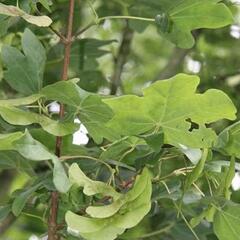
[25, 72]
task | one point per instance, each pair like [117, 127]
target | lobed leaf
[25, 71]
[164, 108]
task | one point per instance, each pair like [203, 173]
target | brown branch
[6, 178]
[6, 223]
[121, 59]
[52, 221]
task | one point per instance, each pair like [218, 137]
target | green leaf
[9, 10]
[90, 108]
[6, 140]
[90, 187]
[109, 210]
[31, 148]
[94, 114]
[109, 221]
[155, 141]
[20, 117]
[165, 108]
[121, 148]
[34, 150]
[197, 171]
[4, 211]
[226, 222]
[20, 101]
[25, 72]
[66, 92]
[21, 200]
[177, 18]
[60, 178]
[229, 139]
[13, 160]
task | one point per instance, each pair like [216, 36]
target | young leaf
[109, 221]
[25, 72]
[197, 171]
[9, 10]
[139, 188]
[165, 108]
[90, 187]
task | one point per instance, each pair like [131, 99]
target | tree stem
[52, 222]
[121, 58]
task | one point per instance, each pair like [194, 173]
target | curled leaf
[12, 11]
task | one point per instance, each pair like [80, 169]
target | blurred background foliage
[120, 57]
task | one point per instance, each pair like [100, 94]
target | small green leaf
[90, 187]
[197, 171]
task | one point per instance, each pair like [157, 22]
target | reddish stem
[52, 221]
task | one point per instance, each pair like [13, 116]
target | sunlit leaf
[165, 108]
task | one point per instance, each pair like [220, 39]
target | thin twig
[62, 37]
[6, 223]
[82, 30]
[121, 59]
[52, 222]
[158, 232]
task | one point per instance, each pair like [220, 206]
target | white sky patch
[193, 65]
[107, 25]
[235, 1]
[33, 237]
[235, 31]
[54, 107]
[236, 182]
[80, 137]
